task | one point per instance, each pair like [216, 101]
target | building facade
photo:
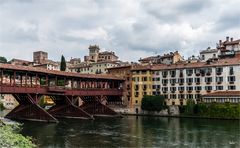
[179, 82]
[96, 56]
[170, 58]
[125, 73]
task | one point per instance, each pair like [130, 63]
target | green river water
[132, 131]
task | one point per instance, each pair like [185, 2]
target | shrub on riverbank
[153, 103]
[214, 110]
[1, 106]
[10, 138]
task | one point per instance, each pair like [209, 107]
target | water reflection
[135, 132]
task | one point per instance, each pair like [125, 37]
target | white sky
[131, 28]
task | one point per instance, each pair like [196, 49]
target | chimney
[231, 39]
[220, 42]
[227, 38]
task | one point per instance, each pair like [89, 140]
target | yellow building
[141, 85]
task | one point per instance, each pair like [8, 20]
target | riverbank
[177, 116]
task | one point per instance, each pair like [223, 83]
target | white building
[93, 68]
[209, 54]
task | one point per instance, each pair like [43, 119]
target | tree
[3, 60]
[63, 64]
[153, 103]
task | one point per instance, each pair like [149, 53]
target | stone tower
[93, 53]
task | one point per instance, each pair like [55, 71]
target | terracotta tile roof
[59, 73]
[223, 94]
[220, 62]
[120, 67]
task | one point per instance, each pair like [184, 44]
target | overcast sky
[131, 28]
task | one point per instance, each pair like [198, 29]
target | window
[172, 81]
[172, 96]
[197, 80]
[181, 96]
[219, 70]
[189, 96]
[189, 71]
[144, 78]
[219, 87]
[219, 79]
[189, 88]
[189, 80]
[172, 89]
[136, 87]
[173, 73]
[165, 96]
[198, 88]
[165, 89]
[208, 79]
[165, 73]
[203, 57]
[144, 87]
[164, 81]
[136, 101]
[231, 78]
[232, 87]
[154, 87]
[197, 96]
[136, 94]
[197, 71]
[208, 88]
[181, 80]
[156, 79]
[231, 71]
[180, 88]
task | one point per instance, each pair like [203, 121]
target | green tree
[63, 64]
[153, 103]
[9, 137]
[3, 60]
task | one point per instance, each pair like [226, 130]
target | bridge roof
[59, 73]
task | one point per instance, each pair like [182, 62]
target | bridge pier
[95, 106]
[28, 109]
[65, 108]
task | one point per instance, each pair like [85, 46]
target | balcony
[164, 76]
[197, 83]
[231, 82]
[164, 84]
[189, 83]
[218, 73]
[219, 82]
[208, 82]
[198, 91]
[189, 74]
[208, 91]
[208, 73]
[197, 74]
[189, 91]
[181, 91]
